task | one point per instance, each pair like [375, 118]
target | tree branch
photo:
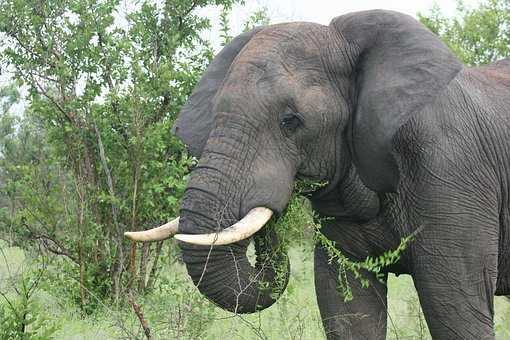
[139, 313]
[61, 249]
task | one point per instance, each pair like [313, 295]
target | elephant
[409, 140]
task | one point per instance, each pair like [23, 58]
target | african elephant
[407, 138]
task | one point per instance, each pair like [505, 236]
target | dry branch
[139, 313]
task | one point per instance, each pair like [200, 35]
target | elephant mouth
[309, 187]
[254, 220]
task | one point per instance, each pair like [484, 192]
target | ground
[175, 310]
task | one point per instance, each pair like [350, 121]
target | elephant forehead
[284, 46]
[274, 68]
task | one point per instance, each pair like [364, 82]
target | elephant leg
[457, 294]
[364, 317]
[455, 258]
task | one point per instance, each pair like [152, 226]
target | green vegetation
[371, 264]
[298, 225]
[175, 310]
[97, 157]
[92, 156]
[478, 35]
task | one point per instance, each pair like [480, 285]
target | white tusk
[254, 220]
[156, 234]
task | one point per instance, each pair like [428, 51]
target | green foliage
[258, 18]
[189, 310]
[373, 265]
[294, 224]
[93, 155]
[9, 95]
[303, 186]
[22, 316]
[298, 220]
[280, 235]
[477, 36]
[225, 35]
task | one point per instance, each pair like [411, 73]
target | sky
[322, 11]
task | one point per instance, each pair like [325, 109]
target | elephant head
[296, 101]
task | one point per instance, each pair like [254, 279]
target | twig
[120, 249]
[45, 240]
[139, 313]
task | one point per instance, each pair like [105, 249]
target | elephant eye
[289, 122]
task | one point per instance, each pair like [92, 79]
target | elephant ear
[195, 120]
[399, 67]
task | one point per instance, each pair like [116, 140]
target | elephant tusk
[156, 234]
[254, 220]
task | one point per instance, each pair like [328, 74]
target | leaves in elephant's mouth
[291, 229]
[298, 222]
[307, 186]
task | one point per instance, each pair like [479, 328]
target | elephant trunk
[217, 196]
[233, 177]
[226, 277]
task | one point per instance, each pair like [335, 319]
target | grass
[176, 311]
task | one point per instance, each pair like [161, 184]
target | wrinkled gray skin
[408, 138]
